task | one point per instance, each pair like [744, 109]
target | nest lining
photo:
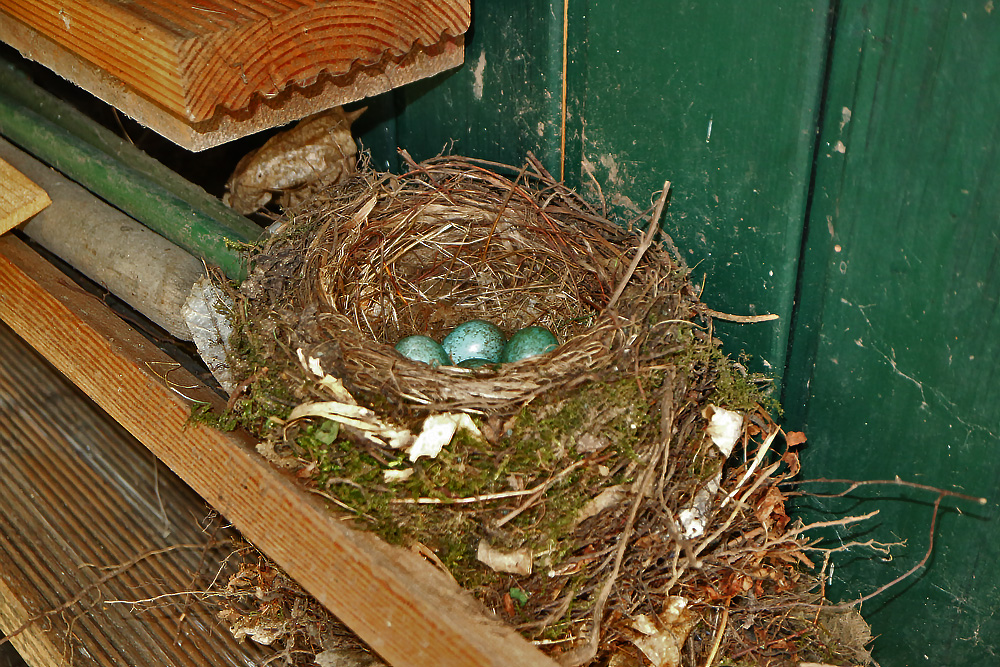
[616, 412]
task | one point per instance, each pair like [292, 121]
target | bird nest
[386, 257]
[615, 499]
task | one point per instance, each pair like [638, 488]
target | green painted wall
[687, 91]
[505, 101]
[897, 338]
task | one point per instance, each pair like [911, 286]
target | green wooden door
[896, 342]
[833, 161]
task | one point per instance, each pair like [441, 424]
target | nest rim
[599, 332]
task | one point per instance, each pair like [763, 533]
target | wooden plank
[205, 72]
[193, 57]
[407, 610]
[80, 497]
[20, 197]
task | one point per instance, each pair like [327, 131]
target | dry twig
[113, 572]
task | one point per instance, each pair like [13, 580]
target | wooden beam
[20, 197]
[202, 72]
[407, 610]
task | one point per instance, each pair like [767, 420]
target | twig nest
[380, 258]
[593, 493]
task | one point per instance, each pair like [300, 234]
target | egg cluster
[478, 343]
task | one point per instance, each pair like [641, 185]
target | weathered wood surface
[208, 71]
[136, 264]
[20, 197]
[408, 611]
[81, 502]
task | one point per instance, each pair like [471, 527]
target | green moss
[538, 450]
[615, 411]
[729, 386]
[205, 414]
[744, 392]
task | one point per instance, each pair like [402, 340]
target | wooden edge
[405, 609]
[292, 104]
[20, 197]
[34, 641]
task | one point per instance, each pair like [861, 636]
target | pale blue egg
[475, 339]
[528, 342]
[423, 349]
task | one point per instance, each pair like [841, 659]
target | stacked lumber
[203, 72]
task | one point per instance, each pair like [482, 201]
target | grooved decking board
[405, 609]
[202, 72]
[79, 494]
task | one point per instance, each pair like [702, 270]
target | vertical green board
[504, 102]
[721, 98]
[895, 351]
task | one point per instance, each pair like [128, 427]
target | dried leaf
[508, 604]
[438, 430]
[724, 427]
[770, 511]
[606, 499]
[210, 328]
[664, 635]
[390, 476]
[791, 459]
[318, 149]
[793, 438]
[514, 562]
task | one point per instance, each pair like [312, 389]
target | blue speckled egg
[423, 349]
[475, 339]
[528, 342]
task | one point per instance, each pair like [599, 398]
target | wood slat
[20, 197]
[207, 71]
[408, 611]
[79, 494]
